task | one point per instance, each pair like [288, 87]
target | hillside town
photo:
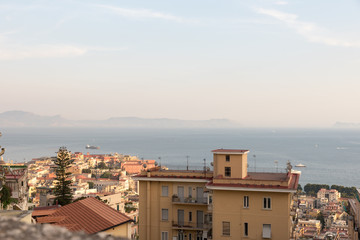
[124, 196]
[105, 177]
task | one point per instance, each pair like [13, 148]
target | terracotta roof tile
[39, 213]
[89, 215]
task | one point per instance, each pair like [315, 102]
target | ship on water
[91, 147]
[300, 165]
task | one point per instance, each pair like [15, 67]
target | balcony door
[181, 193]
[181, 217]
[199, 194]
[199, 219]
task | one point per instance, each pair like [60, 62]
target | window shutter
[267, 231]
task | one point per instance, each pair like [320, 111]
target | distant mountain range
[27, 119]
[346, 125]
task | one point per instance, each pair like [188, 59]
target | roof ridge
[104, 204]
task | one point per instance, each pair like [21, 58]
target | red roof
[293, 184]
[89, 215]
[221, 150]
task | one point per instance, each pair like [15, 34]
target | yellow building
[228, 203]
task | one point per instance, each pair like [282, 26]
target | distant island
[27, 119]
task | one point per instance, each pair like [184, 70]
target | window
[190, 216]
[226, 228]
[164, 191]
[190, 192]
[164, 235]
[246, 201]
[227, 158]
[266, 230]
[267, 203]
[164, 214]
[227, 171]
[190, 236]
[246, 229]
[210, 199]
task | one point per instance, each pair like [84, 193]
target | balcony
[190, 225]
[189, 200]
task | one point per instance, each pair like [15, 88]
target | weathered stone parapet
[12, 229]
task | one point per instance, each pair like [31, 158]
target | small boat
[91, 147]
[300, 165]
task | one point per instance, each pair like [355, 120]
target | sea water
[331, 156]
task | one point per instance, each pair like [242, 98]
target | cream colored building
[228, 203]
[331, 195]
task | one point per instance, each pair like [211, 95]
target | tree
[320, 217]
[102, 165]
[299, 188]
[129, 207]
[346, 192]
[106, 175]
[312, 189]
[62, 190]
[5, 198]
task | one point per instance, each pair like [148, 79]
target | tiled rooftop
[221, 150]
[267, 176]
[89, 215]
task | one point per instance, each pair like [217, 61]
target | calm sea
[331, 156]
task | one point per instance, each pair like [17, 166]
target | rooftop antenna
[160, 162]
[277, 165]
[187, 163]
[205, 167]
[255, 161]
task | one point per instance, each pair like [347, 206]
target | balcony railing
[189, 200]
[190, 225]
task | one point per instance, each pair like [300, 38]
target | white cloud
[142, 13]
[15, 52]
[281, 3]
[310, 31]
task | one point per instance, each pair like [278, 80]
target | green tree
[86, 170]
[5, 196]
[129, 207]
[106, 175]
[62, 190]
[346, 192]
[299, 188]
[320, 217]
[312, 189]
[102, 165]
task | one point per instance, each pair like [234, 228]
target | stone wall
[12, 229]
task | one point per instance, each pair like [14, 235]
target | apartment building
[331, 195]
[226, 203]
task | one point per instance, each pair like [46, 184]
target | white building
[332, 195]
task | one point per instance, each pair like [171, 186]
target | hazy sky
[261, 63]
